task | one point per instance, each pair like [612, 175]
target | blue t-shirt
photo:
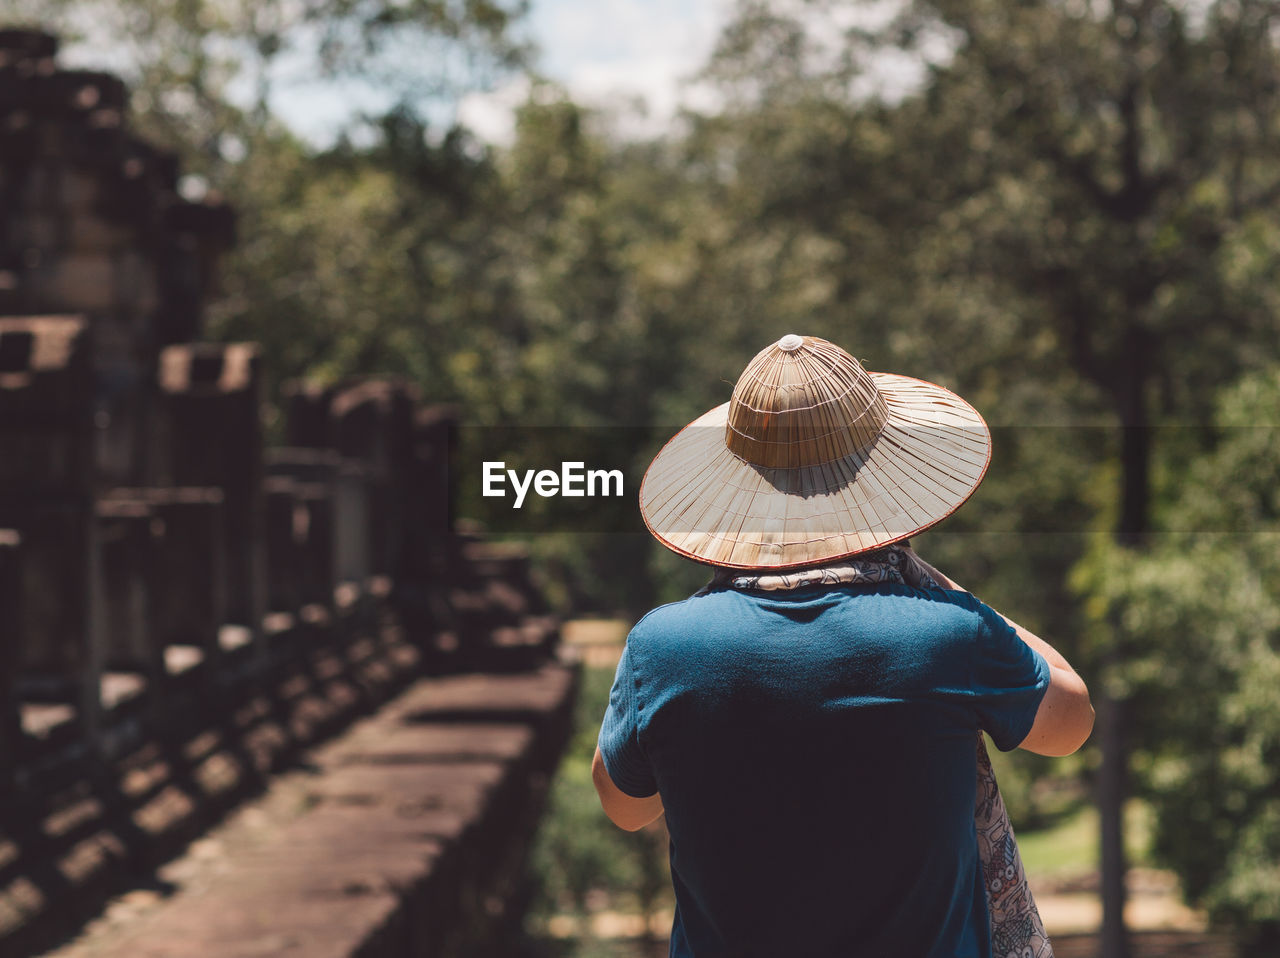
[815, 751]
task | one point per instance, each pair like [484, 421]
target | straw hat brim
[702, 501]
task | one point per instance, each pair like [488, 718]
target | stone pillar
[432, 507]
[317, 533]
[131, 538]
[352, 540]
[198, 235]
[46, 495]
[10, 642]
[373, 423]
[210, 435]
[282, 502]
[93, 225]
[308, 424]
[330, 518]
[188, 594]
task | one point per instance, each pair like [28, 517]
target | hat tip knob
[790, 342]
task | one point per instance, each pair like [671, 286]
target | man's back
[815, 755]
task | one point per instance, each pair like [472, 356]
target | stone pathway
[400, 837]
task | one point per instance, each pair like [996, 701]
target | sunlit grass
[1071, 846]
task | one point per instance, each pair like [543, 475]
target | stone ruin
[161, 572]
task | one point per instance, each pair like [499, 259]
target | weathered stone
[137, 288]
[17, 45]
[188, 594]
[79, 282]
[41, 231]
[77, 91]
[78, 191]
[123, 410]
[11, 638]
[435, 447]
[61, 653]
[130, 537]
[209, 434]
[308, 423]
[284, 516]
[46, 482]
[44, 366]
[373, 422]
[429, 549]
[199, 234]
[87, 233]
[317, 581]
[334, 493]
[352, 540]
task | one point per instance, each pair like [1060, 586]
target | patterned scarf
[1016, 928]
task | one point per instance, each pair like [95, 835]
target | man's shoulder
[677, 616]
[707, 605]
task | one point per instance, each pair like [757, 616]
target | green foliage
[1201, 621]
[580, 860]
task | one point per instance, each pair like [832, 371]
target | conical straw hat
[813, 459]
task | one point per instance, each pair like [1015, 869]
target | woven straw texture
[813, 459]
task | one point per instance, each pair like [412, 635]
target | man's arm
[1065, 716]
[623, 810]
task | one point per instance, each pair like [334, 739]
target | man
[808, 721]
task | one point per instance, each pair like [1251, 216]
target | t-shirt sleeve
[620, 735]
[1010, 679]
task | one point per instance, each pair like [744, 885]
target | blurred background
[590, 217]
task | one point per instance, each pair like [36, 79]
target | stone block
[10, 640]
[353, 543]
[39, 230]
[79, 282]
[131, 540]
[308, 423]
[18, 45]
[77, 92]
[137, 287]
[87, 233]
[333, 496]
[373, 423]
[45, 405]
[188, 591]
[317, 530]
[123, 413]
[209, 433]
[57, 557]
[430, 510]
[78, 190]
[284, 520]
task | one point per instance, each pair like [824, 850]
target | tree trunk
[1131, 529]
[1111, 790]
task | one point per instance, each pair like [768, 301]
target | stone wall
[183, 609]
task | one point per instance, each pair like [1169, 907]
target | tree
[1119, 117]
[1204, 607]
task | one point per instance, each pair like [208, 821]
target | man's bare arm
[623, 810]
[1065, 717]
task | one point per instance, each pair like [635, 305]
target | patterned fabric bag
[1016, 928]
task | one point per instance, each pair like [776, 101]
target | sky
[632, 59]
[616, 54]
[628, 57]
